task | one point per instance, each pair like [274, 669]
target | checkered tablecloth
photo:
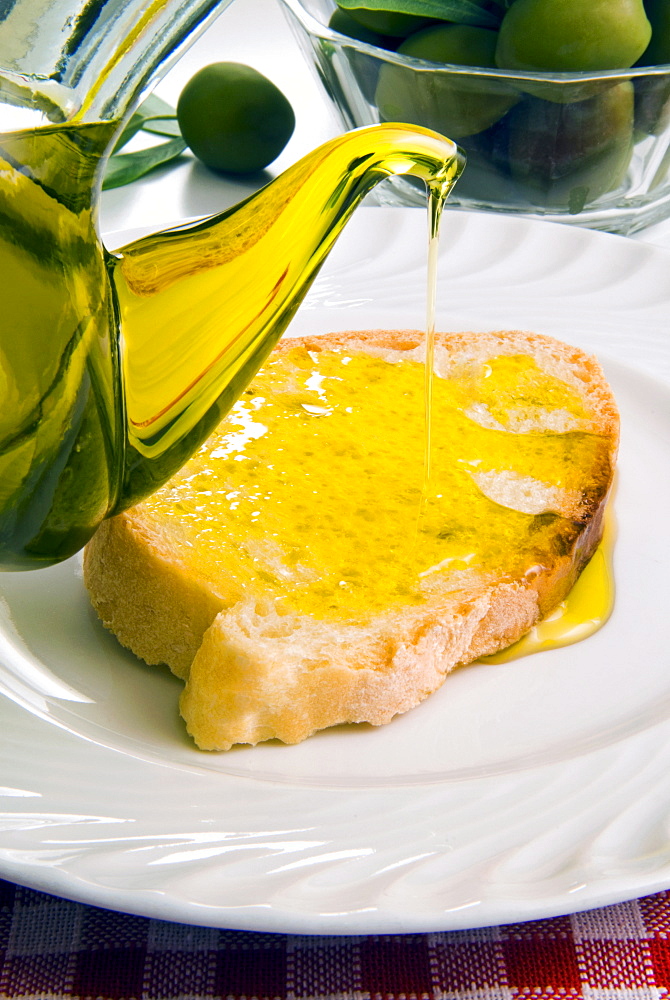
[51, 948]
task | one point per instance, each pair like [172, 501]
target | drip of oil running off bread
[583, 612]
[589, 603]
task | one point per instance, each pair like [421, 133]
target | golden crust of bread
[252, 674]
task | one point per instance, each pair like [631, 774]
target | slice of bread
[299, 572]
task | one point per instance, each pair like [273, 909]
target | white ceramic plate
[517, 791]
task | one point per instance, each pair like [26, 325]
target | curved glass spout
[201, 306]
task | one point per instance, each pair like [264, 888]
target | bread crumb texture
[302, 570]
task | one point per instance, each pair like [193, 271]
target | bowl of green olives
[561, 106]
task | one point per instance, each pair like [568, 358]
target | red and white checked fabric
[51, 949]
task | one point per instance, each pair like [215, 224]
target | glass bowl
[587, 148]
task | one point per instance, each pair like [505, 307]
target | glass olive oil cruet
[115, 367]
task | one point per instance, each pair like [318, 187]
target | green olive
[233, 118]
[442, 99]
[461, 44]
[342, 22]
[572, 35]
[566, 155]
[388, 22]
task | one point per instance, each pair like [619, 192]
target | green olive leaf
[162, 125]
[153, 115]
[155, 107]
[123, 168]
[482, 13]
[133, 126]
[157, 117]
